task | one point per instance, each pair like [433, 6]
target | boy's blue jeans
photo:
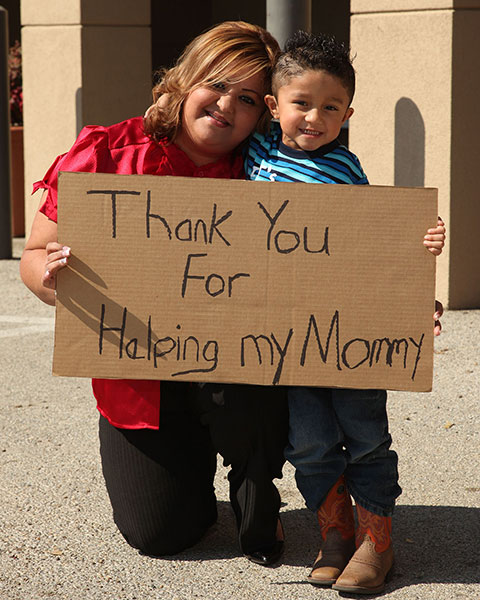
[342, 431]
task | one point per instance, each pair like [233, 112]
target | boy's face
[311, 108]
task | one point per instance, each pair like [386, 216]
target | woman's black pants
[160, 482]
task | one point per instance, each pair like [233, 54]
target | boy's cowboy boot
[373, 559]
[337, 527]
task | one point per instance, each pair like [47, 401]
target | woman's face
[217, 118]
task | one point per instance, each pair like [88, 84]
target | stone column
[284, 17]
[416, 122]
[84, 62]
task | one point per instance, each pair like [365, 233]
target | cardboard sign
[251, 282]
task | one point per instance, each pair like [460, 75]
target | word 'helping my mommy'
[189, 353]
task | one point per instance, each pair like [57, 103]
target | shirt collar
[302, 154]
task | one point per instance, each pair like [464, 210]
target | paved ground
[57, 538]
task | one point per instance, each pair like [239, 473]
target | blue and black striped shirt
[269, 159]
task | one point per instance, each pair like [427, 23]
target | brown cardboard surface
[238, 281]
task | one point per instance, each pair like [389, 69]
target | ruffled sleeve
[89, 154]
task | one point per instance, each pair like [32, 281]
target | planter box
[18, 195]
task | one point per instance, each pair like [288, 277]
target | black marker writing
[120, 329]
[114, 194]
[312, 324]
[282, 351]
[215, 284]
[356, 352]
[286, 241]
[189, 350]
[188, 230]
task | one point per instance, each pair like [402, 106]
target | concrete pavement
[58, 540]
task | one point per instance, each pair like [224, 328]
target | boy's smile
[311, 108]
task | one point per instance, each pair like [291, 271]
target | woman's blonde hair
[229, 52]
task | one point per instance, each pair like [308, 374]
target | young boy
[337, 436]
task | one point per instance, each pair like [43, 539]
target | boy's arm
[434, 241]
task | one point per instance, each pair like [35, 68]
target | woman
[159, 457]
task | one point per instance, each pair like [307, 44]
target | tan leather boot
[337, 527]
[373, 559]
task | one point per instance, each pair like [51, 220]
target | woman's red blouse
[125, 149]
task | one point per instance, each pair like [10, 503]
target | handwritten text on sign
[296, 284]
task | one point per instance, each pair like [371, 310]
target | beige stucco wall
[87, 12]
[84, 62]
[418, 77]
[415, 122]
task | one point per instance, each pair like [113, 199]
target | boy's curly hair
[307, 51]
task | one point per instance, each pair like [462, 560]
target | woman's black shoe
[267, 556]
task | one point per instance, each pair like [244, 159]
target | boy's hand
[437, 327]
[434, 240]
[162, 102]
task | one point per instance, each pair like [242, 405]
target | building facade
[417, 63]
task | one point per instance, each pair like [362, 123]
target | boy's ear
[271, 102]
[348, 113]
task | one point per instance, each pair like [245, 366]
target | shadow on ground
[433, 544]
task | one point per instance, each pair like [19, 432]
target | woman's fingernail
[66, 251]
[63, 261]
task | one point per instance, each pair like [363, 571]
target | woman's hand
[434, 240]
[437, 326]
[42, 257]
[57, 256]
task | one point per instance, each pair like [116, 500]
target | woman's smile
[217, 118]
